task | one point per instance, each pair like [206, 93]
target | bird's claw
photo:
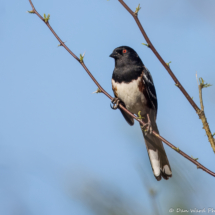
[148, 125]
[115, 102]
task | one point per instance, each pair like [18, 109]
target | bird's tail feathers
[157, 155]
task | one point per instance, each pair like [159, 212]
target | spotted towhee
[133, 86]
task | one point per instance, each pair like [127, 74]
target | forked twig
[110, 97]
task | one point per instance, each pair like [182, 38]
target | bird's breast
[131, 94]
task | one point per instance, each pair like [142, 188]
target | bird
[134, 88]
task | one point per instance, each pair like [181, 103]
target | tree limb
[200, 166]
[177, 83]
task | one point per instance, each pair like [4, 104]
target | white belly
[130, 94]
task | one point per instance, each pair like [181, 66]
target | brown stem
[202, 116]
[207, 129]
[134, 15]
[121, 106]
[200, 97]
[178, 84]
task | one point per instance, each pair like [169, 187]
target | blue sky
[55, 135]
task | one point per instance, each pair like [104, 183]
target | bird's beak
[114, 55]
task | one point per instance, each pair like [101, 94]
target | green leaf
[194, 158]
[203, 84]
[146, 45]
[31, 11]
[176, 149]
[169, 63]
[82, 57]
[46, 19]
[98, 91]
[142, 128]
[137, 9]
[139, 115]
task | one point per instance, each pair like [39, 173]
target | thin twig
[150, 45]
[200, 93]
[177, 83]
[120, 105]
[202, 113]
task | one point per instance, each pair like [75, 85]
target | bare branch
[200, 93]
[201, 113]
[120, 105]
[177, 83]
[150, 45]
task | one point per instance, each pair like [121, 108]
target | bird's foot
[115, 102]
[148, 126]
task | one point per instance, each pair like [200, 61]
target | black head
[125, 56]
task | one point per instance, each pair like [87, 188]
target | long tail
[157, 155]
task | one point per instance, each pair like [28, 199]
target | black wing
[127, 117]
[150, 88]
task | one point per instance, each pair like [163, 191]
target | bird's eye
[124, 51]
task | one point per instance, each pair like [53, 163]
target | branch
[201, 113]
[166, 65]
[150, 45]
[200, 166]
